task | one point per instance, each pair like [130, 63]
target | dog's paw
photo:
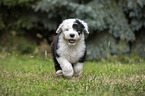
[59, 73]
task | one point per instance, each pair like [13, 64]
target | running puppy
[68, 48]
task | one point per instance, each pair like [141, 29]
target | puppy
[68, 48]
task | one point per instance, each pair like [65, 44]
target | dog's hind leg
[78, 68]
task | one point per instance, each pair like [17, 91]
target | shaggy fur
[68, 48]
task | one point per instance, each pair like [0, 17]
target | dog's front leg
[66, 66]
[78, 68]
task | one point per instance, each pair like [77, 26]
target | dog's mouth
[71, 41]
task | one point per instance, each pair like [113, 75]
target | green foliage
[105, 44]
[2, 25]
[12, 42]
[11, 3]
[16, 15]
[50, 11]
[107, 15]
[102, 44]
[15, 19]
[134, 9]
[22, 75]
[100, 15]
[139, 45]
[111, 21]
[24, 47]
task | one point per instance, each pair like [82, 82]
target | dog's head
[72, 30]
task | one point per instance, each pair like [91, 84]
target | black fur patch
[83, 58]
[54, 47]
[78, 26]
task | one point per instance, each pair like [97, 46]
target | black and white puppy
[68, 48]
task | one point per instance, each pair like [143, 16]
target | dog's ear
[59, 29]
[85, 25]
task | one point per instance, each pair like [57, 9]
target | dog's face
[72, 30]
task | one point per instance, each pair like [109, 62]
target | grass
[28, 76]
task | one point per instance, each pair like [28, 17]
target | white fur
[70, 53]
[78, 68]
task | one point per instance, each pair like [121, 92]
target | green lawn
[28, 76]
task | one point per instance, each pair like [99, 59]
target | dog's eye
[75, 25]
[79, 32]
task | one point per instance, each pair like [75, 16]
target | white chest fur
[71, 53]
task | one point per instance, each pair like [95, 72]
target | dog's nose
[72, 35]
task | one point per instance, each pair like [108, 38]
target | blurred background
[117, 27]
